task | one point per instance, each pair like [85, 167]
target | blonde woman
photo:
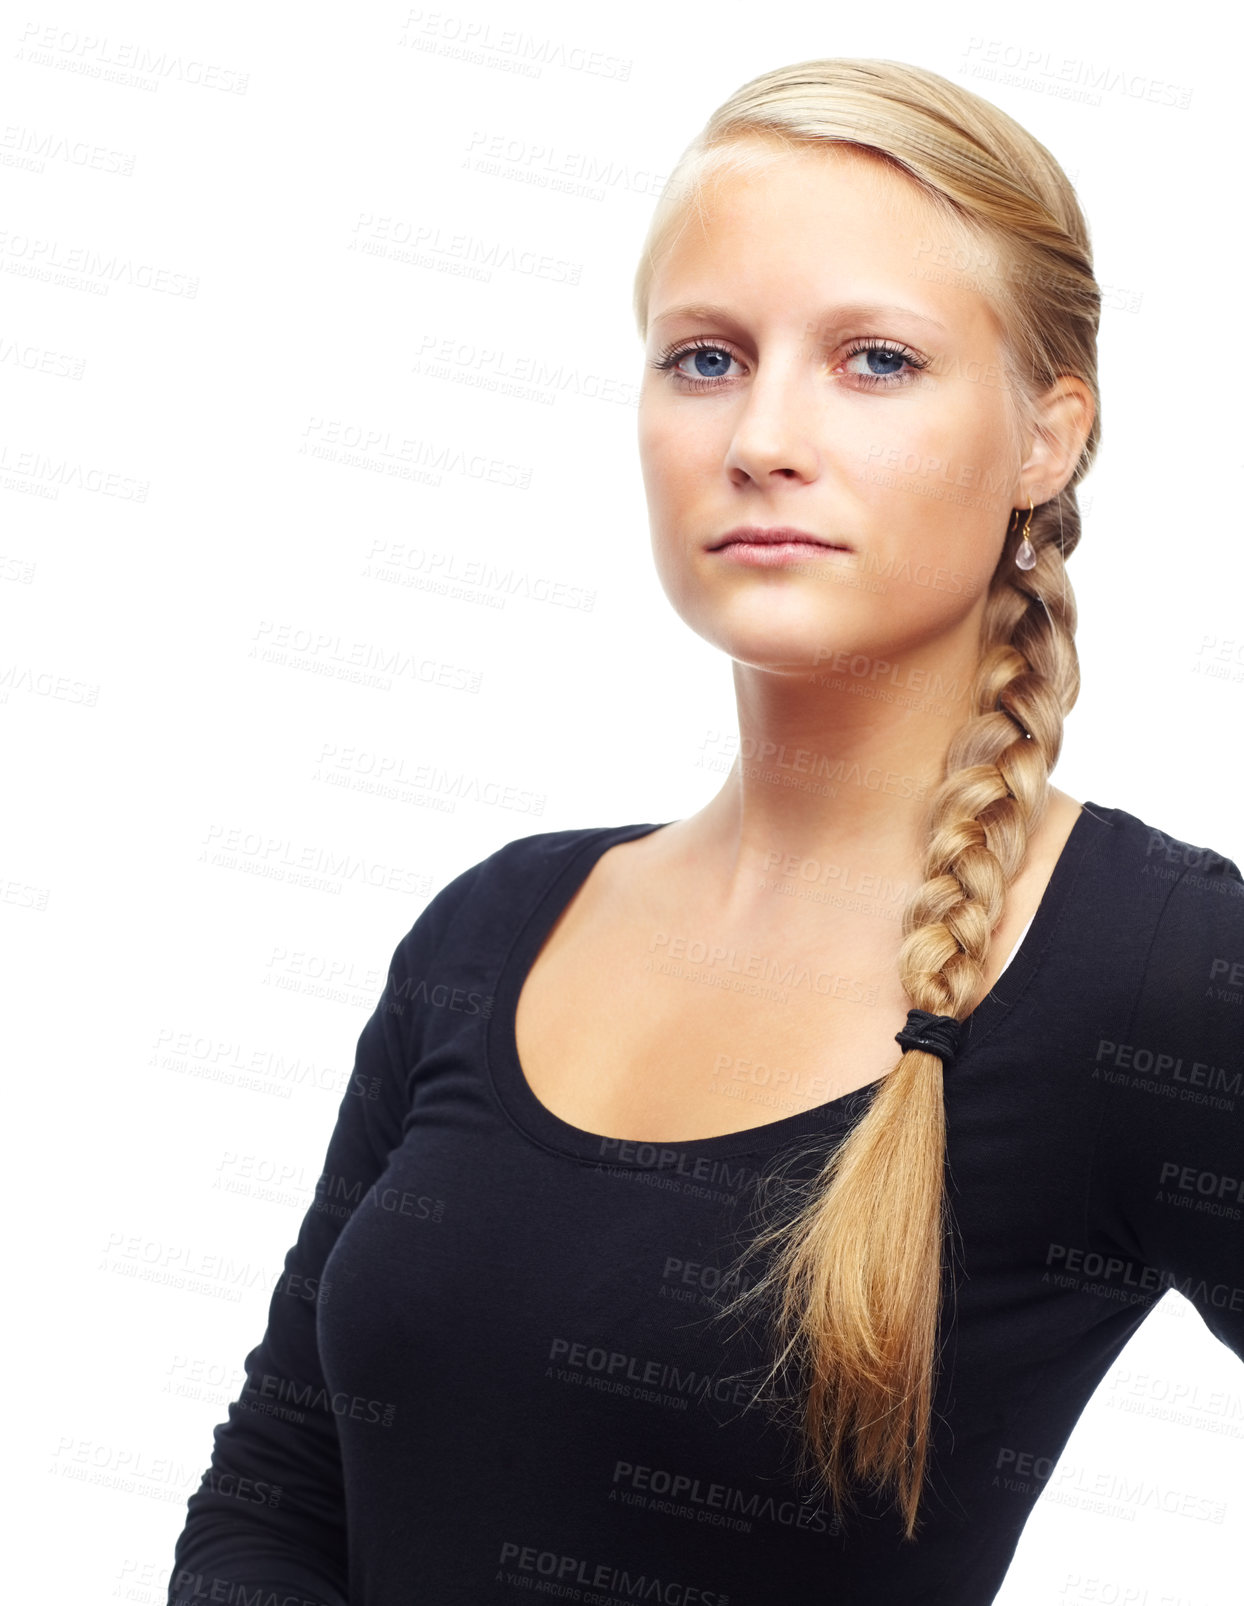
[743, 1208]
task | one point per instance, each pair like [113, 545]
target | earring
[1026, 554]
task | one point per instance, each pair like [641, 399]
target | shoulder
[1169, 1150]
[1178, 906]
[1149, 865]
[538, 861]
[497, 892]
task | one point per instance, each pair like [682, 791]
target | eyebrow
[707, 311]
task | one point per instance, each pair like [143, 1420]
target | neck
[833, 775]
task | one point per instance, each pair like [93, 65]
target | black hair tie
[932, 1034]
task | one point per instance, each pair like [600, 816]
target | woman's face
[819, 376]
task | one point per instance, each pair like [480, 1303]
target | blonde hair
[857, 1273]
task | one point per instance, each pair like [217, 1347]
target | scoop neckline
[538, 1123]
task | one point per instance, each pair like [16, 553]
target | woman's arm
[270, 1512]
[1168, 1187]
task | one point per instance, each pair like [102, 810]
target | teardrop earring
[1026, 553]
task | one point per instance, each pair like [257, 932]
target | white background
[262, 149]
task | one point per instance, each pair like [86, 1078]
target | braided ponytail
[855, 1279]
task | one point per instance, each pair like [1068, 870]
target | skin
[610, 1039]
[792, 434]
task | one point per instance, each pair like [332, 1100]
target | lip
[754, 536]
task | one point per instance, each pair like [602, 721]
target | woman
[642, 1266]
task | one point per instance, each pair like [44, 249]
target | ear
[1061, 421]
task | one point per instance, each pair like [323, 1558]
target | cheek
[954, 481]
[672, 468]
[936, 447]
[655, 459]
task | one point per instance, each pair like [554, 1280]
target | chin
[791, 652]
[796, 625]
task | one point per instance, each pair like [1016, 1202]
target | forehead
[833, 225]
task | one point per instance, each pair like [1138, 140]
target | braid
[857, 1274]
[858, 1284]
[998, 766]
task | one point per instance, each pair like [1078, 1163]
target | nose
[774, 428]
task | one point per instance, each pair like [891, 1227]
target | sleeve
[1168, 1182]
[269, 1513]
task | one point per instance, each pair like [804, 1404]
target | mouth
[795, 540]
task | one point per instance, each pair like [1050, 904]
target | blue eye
[711, 362]
[888, 365]
[873, 354]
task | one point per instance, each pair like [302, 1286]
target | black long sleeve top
[495, 1363]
